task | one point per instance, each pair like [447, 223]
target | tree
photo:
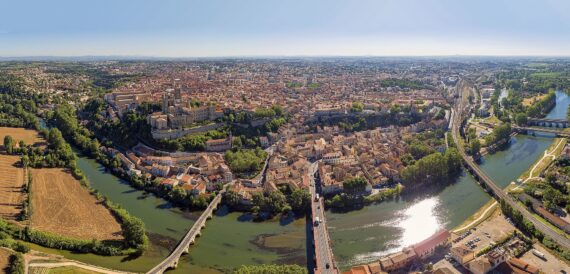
[8, 144]
[299, 200]
[134, 232]
[355, 185]
[433, 168]
[474, 146]
[276, 202]
[231, 198]
[420, 150]
[521, 119]
[357, 107]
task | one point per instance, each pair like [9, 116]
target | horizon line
[286, 56]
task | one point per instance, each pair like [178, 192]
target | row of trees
[273, 202]
[528, 228]
[434, 168]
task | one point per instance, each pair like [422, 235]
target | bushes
[59, 242]
[16, 264]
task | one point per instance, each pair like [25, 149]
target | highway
[498, 192]
[182, 248]
[324, 258]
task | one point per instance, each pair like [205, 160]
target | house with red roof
[427, 247]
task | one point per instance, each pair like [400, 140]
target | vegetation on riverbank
[58, 153]
[271, 203]
[270, 269]
[500, 136]
[434, 168]
[346, 202]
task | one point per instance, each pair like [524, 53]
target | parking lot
[486, 233]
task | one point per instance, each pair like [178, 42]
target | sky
[214, 28]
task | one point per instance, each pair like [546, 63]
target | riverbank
[541, 164]
[362, 236]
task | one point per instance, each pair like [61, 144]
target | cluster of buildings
[196, 173]
[486, 93]
[401, 260]
[179, 113]
[500, 258]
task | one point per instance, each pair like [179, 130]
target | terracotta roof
[431, 242]
[361, 269]
[517, 266]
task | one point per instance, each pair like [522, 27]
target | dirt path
[76, 264]
[547, 154]
[482, 217]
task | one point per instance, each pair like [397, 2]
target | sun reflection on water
[420, 222]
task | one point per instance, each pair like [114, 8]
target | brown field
[531, 100]
[4, 259]
[62, 206]
[29, 136]
[11, 187]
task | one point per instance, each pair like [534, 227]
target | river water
[365, 235]
[232, 239]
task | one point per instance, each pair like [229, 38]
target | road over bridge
[324, 258]
[182, 248]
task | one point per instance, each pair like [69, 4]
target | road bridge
[184, 245]
[324, 258]
[496, 191]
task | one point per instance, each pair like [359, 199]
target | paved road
[182, 247]
[323, 252]
[498, 191]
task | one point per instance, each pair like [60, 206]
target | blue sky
[190, 28]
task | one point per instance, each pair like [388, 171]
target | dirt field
[61, 205]
[531, 100]
[550, 264]
[11, 191]
[29, 136]
[4, 259]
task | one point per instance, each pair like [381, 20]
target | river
[364, 235]
[231, 236]
[233, 239]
